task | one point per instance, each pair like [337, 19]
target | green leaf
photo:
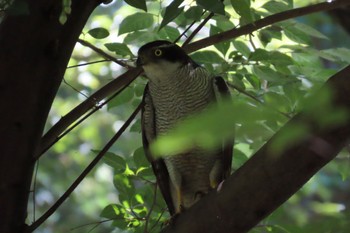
[140, 4]
[239, 158]
[194, 13]
[99, 33]
[140, 37]
[120, 223]
[269, 33]
[171, 12]
[136, 127]
[208, 57]
[135, 22]
[215, 6]
[124, 97]
[342, 54]
[277, 101]
[309, 30]
[242, 7]
[266, 73]
[124, 185]
[295, 33]
[115, 161]
[236, 81]
[223, 46]
[253, 80]
[242, 48]
[259, 55]
[111, 211]
[140, 158]
[119, 48]
[169, 33]
[275, 7]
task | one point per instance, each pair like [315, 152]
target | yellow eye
[158, 52]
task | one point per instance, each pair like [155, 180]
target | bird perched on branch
[177, 88]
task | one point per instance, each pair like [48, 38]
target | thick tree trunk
[268, 179]
[34, 51]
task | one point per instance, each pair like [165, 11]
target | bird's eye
[158, 52]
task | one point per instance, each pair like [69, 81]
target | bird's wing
[158, 164]
[223, 92]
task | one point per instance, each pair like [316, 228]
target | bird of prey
[178, 87]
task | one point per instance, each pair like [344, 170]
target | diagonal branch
[119, 83]
[269, 178]
[93, 163]
[103, 53]
[249, 28]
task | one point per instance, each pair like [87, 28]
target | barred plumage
[177, 88]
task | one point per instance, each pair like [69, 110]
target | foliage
[270, 73]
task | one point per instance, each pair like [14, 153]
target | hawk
[177, 88]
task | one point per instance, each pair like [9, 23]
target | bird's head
[160, 59]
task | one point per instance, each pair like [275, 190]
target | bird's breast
[179, 97]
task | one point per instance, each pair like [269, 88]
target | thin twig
[186, 30]
[93, 163]
[93, 223]
[103, 53]
[87, 63]
[75, 89]
[158, 219]
[200, 26]
[258, 100]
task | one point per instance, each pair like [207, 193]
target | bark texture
[35, 49]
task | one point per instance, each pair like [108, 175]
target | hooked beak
[140, 61]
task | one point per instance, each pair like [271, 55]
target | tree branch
[117, 84]
[103, 53]
[269, 178]
[93, 163]
[249, 28]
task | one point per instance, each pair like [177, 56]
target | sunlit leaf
[111, 211]
[124, 186]
[135, 22]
